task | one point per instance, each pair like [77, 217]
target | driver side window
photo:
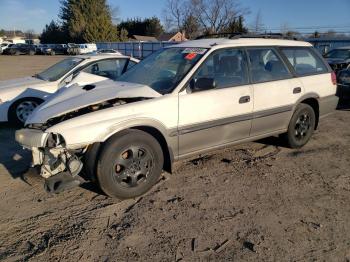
[111, 68]
[227, 67]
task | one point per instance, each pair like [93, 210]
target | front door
[212, 118]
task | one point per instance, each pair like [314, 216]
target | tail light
[334, 78]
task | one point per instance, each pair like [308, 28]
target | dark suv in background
[57, 49]
[20, 49]
[338, 58]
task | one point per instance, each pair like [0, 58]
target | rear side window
[304, 61]
[266, 66]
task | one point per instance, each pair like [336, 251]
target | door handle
[297, 90]
[244, 99]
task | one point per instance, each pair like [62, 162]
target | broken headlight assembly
[55, 140]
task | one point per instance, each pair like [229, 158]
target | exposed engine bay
[85, 110]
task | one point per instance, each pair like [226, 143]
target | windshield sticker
[199, 51]
[190, 56]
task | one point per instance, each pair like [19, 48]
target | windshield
[164, 69]
[58, 70]
[339, 53]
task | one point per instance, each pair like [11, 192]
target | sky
[303, 15]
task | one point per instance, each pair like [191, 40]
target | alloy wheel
[133, 166]
[24, 109]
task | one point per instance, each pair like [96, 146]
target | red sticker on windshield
[190, 56]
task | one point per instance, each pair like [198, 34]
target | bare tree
[175, 14]
[210, 16]
[115, 12]
[216, 15]
[258, 25]
[29, 34]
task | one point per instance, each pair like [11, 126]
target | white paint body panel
[100, 125]
[69, 99]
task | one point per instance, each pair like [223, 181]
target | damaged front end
[60, 167]
[60, 158]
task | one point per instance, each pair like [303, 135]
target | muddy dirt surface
[254, 202]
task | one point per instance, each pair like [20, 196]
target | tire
[21, 109]
[52, 53]
[130, 163]
[31, 52]
[301, 126]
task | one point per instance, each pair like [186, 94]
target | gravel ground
[254, 202]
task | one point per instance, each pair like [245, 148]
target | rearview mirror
[202, 84]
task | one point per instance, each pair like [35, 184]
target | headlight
[55, 140]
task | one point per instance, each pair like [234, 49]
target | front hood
[68, 99]
[20, 82]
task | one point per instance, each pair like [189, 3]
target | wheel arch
[312, 100]
[19, 100]
[158, 131]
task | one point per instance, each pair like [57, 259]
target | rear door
[216, 117]
[275, 91]
[315, 76]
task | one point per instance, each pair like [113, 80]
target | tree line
[82, 21]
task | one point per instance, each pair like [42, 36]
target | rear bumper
[328, 105]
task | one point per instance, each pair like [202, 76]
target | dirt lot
[254, 202]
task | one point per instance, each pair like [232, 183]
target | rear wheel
[53, 53]
[130, 164]
[31, 52]
[301, 126]
[21, 110]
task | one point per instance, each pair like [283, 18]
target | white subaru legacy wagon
[181, 101]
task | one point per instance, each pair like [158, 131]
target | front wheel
[21, 110]
[301, 126]
[130, 163]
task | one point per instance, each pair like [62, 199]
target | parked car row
[339, 60]
[47, 49]
[181, 101]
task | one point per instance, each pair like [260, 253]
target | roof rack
[240, 35]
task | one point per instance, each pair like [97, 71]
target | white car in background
[4, 46]
[87, 48]
[19, 97]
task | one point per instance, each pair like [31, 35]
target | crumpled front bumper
[59, 166]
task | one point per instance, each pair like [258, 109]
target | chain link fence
[138, 50]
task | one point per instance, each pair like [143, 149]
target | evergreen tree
[53, 34]
[236, 26]
[153, 27]
[148, 27]
[87, 21]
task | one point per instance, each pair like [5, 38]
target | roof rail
[248, 35]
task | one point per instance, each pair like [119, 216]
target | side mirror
[202, 84]
[68, 79]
